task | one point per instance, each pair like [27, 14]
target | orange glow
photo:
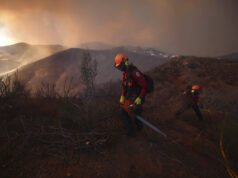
[5, 35]
[5, 39]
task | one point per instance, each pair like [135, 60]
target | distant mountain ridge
[66, 65]
[148, 51]
[230, 56]
[55, 64]
[95, 46]
[136, 49]
[17, 55]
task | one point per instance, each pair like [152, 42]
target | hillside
[19, 54]
[218, 78]
[53, 138]
[95, 46]
[230, 56]
[135, 49]
[66, 65]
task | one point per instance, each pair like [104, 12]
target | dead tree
[88, 73]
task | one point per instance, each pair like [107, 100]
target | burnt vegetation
[36, 128]
[51, 124]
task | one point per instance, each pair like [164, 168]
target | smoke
[190, 27]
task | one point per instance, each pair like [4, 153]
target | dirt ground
[190, 150]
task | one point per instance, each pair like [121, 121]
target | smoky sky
[188, 27]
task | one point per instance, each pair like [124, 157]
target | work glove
[137, 101]
[122, 100]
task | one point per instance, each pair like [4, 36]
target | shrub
[231, 143]
[12, 87]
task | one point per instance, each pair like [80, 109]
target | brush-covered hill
[218, 79]
[53, 138]
[230, 56]
[19, 54]
[65, 65]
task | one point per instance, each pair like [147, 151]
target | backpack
[150, 84]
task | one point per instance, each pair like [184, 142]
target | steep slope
[50, 138]
[66, 65]
[19, 54]
[218, 78]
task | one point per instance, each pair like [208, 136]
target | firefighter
[134, 88]
[190, 98]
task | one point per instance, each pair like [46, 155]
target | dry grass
[66, 128]
[230, 143]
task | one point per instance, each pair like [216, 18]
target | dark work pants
[197, 111]
[195, 108]
[128, 122]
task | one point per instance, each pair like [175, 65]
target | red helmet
[121, 58]
[195, 87]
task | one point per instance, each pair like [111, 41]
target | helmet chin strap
[123, 66]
